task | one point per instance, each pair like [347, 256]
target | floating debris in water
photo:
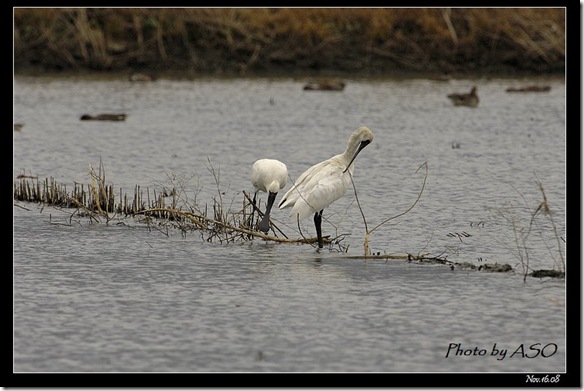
[325, 85]
[547, 273]
[103, 117]
[496, 267]
[529, 89]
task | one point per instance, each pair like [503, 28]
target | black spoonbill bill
[325, 182]
[270, 176]
[470, 99]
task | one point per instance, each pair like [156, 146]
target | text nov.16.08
[522, 351]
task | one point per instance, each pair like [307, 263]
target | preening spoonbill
[325, 182]
[270, 176]
[470, 99]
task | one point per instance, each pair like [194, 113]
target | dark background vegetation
[248, 41]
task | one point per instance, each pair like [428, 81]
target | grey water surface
[124, 297]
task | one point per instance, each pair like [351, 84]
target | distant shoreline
[298, 42]
[296, 74]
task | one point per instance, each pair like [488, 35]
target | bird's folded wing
[322, 192]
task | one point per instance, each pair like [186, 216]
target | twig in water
[367, 231]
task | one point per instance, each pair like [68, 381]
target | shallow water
[96, 297]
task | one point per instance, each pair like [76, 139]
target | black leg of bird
[317, 222]
[265, 223]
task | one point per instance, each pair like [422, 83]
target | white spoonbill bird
[325, 182]
[270, 176]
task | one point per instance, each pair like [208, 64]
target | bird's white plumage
[327, 181]
[317, 188]
[269, 175]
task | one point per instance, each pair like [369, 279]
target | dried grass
[414, 38]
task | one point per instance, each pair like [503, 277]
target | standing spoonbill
[270, 176]
[325, 182]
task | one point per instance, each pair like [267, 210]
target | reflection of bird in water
[270, 176]
[470, 99]
[325, 182]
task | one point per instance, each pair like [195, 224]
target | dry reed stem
[368, 232]
[548, 213]
[521, 233]
[446, 14]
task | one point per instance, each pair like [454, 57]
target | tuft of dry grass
[169, 207]
[539, 221]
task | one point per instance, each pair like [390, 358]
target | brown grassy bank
[283, 40]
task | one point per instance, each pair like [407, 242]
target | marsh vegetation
[172, 207]
[291, 40]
